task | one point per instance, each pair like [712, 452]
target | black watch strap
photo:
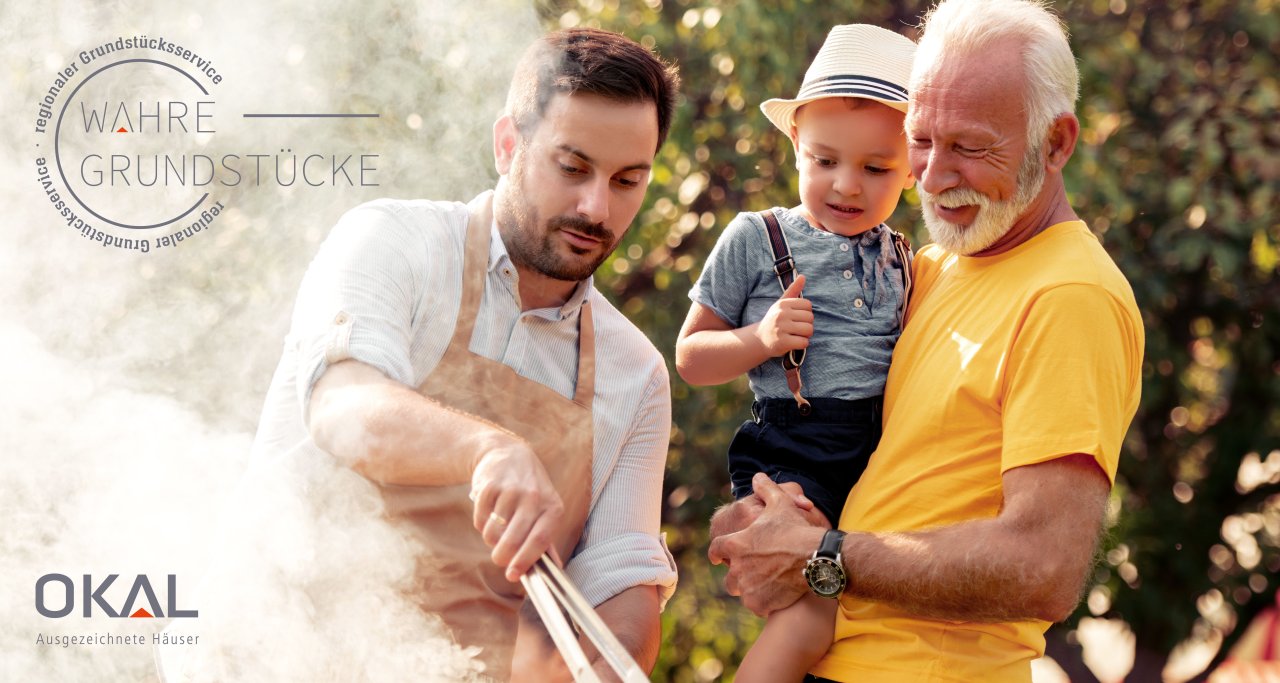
[832, 541]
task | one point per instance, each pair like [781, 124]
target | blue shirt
[855, 284]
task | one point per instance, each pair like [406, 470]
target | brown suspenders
[784, 267]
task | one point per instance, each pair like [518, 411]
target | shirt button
[844, 246]
[857, 303]
[848, 274]
[340, 319]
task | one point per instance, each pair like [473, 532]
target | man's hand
[766, 559]
[516, 506]
[788, 324]
[739, 514]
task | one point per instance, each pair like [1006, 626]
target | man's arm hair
[1030, 561]
[380, 428]
[393, 435]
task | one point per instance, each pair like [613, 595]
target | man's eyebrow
[643, 166]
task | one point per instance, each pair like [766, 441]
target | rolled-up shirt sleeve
[357, 298]
[621, 546]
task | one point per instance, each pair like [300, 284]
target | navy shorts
[824, 452]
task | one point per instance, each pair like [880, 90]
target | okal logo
[128, 146]
[56, 604]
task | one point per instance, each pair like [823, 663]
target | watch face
[826, 578]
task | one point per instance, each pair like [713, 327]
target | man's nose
[935, 170]
[593, 202]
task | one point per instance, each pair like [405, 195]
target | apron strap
[586, 389]
[475, 261]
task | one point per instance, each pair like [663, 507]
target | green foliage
[1176, 171]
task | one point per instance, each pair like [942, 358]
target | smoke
[133, 382]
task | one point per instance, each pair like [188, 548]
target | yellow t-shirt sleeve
[1072, 380]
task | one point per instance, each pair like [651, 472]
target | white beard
[994, 218]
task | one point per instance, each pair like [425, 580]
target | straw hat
[856, 60]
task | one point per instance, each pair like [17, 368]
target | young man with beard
[459, 357]
[1009, 393]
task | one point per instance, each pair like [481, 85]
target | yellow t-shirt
[1005, 361]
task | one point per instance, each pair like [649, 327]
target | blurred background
[133, 382]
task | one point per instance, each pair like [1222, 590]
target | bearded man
[461, 359]
[1008, 397]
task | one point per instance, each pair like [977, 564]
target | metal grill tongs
[555, 597]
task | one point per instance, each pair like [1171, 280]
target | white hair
[963, 26]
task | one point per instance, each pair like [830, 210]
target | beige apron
[456, 577]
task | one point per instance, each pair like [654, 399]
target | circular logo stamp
[127, 146]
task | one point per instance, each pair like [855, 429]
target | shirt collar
[500, 260]
[796, 220]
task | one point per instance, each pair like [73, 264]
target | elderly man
[459, 357]
[1009, 393]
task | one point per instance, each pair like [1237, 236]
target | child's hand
[788, 324]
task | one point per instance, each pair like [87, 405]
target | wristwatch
[825, 570]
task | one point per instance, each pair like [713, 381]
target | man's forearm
[1029, 562]
[391, 433]
[969, 572]
[633, 617]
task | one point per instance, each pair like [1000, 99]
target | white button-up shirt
[385, 290]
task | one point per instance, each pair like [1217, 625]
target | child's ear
[909, 182]
[794, 136]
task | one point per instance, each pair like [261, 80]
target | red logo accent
[122, 130]
[142, 612]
